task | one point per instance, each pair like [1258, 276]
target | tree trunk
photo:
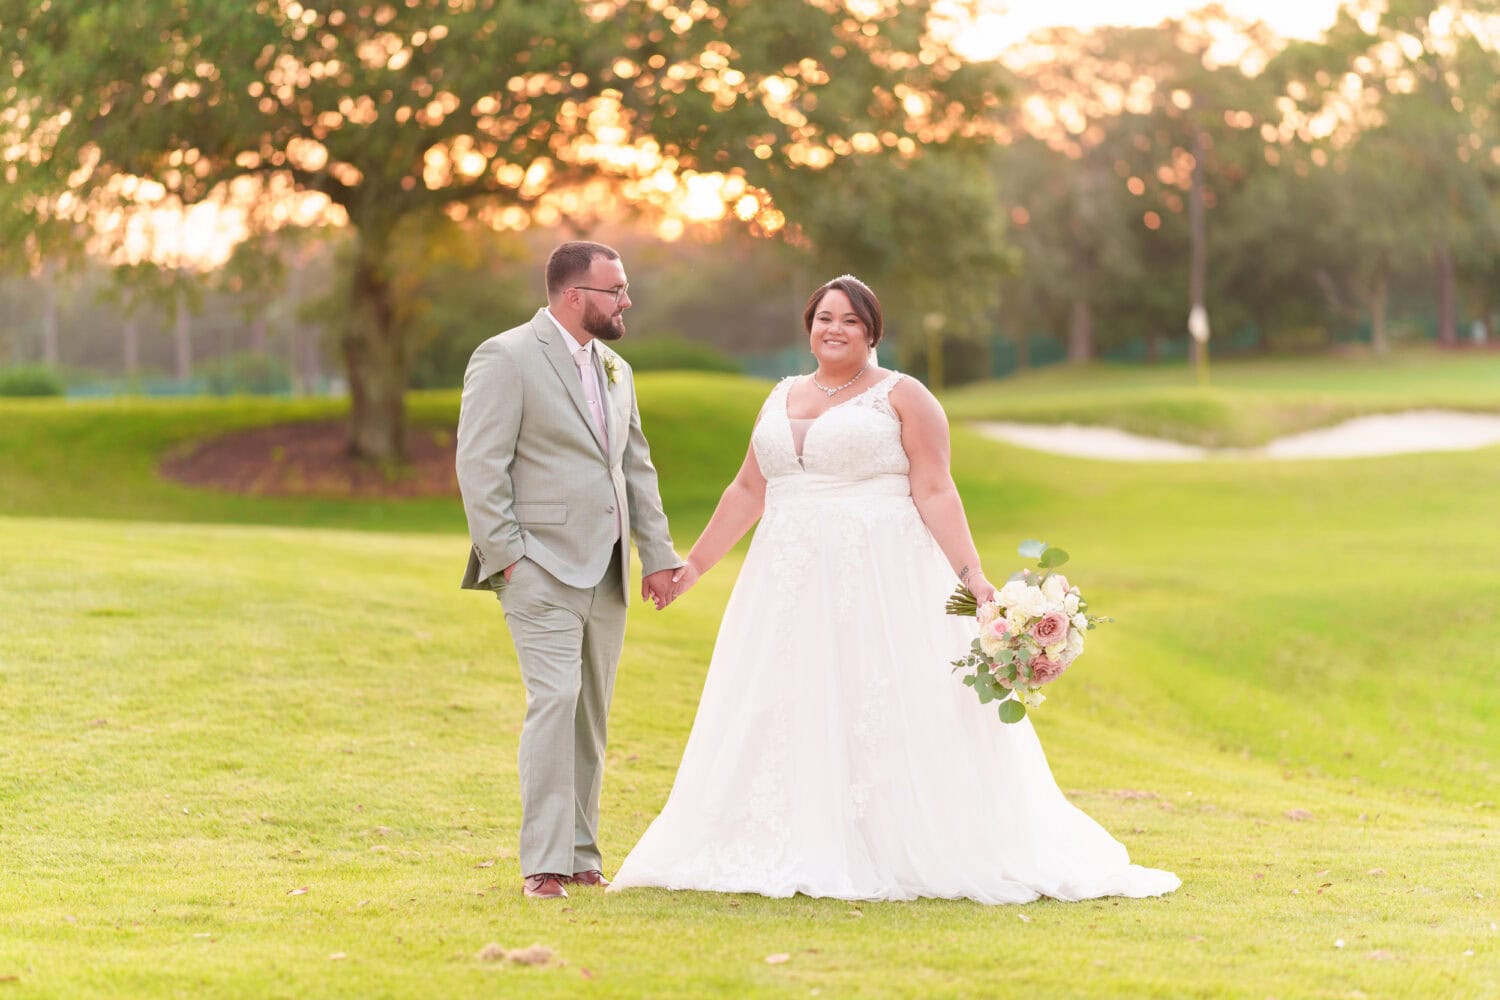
[1080, 333]
[51, 354]
[131, 334]
[1447, 304]
[312, 358]
[304, 379]
[1198, 253]
[182, 338]
[934, 344]
[1379, 296]
[258, 337]
[376, 357]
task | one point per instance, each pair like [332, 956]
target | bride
[834, 754]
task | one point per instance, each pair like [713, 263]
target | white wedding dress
[835, 753]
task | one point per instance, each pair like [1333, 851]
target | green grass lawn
[1247, 403]
[208, 703]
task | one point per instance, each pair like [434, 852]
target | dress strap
[776, 395]
[878, 395]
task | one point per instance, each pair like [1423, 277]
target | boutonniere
[611, 367]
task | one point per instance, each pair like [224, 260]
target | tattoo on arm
[963, 574]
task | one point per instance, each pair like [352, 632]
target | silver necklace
[833, 392]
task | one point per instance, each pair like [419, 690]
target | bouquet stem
[962, 603]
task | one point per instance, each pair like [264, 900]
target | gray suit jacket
[535, 479]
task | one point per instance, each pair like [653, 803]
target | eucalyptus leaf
[1012, 710]
[1032, 549]
[1053, 558]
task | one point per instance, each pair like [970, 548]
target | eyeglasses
[618, 293]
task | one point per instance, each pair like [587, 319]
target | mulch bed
[312, 460]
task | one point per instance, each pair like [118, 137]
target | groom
[556, 479]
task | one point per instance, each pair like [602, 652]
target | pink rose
[1045, 670]
[999, 628]
[1050, 629]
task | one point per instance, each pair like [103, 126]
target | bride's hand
[982, 589]
[682, 580]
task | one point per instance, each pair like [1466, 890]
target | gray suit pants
[568, 640]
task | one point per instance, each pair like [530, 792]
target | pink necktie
[591, 391]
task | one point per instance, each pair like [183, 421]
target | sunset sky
[1007, 23]
[205, 237]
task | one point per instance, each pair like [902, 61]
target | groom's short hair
[571, 261]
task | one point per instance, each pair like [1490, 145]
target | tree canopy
[507, 111]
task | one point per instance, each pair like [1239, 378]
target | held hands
[657, 588]
[666, 585]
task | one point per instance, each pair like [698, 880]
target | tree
[925, 234]
[1154, 132]
[280, 282]
[504, 110]
[1404, 92]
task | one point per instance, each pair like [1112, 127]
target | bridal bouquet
[1028, 635]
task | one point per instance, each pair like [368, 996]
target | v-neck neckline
[786, 414]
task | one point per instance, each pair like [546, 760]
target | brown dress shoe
[545, 886]
[593, 877]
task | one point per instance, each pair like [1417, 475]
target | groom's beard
[603, 326]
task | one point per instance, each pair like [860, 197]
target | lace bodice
[859, 438]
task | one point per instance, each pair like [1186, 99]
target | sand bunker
[1383, 434]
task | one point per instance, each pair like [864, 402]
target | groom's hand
[657, 588]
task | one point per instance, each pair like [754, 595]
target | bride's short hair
[866, 305]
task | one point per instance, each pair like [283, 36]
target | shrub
[1298, 339]
[255, 374]
[30, 380]
[655, 354]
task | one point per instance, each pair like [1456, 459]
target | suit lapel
[608, 402]
[556, 350]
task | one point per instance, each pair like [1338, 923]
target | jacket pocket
[547, 512]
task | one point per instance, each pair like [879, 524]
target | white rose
[1056, 650]
[1080, 622]
[990, 645]
[1070, 604]
[1034, 699]
[1033, 602]
[1074, 643]
[1053, 588]
[1011, 593]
